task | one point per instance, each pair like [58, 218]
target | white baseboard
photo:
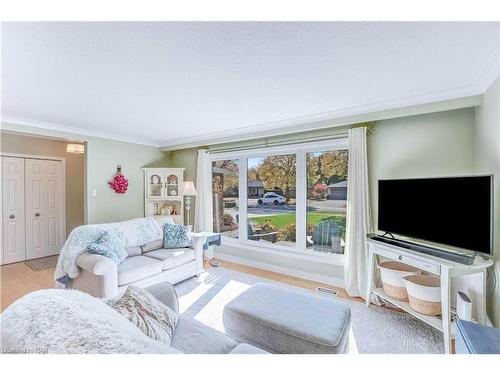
[283, 270]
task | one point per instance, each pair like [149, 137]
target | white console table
[444, 269]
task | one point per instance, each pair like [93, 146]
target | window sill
[318, 257]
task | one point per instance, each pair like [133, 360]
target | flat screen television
[452, 211]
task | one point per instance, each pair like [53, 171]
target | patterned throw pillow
[176, 236]
[111, 245]
[152, 317]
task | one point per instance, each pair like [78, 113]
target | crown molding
[70, 130]
[491, 71]
[469, 96]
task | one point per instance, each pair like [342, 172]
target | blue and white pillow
[111, 245]
[176, 236]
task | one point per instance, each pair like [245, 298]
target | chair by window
[327, 236]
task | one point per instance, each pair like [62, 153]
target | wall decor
[119, 183]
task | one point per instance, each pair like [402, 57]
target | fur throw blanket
[136, 232]
[69, 321]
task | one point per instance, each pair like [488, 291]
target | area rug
[42, 263]
[374, 330]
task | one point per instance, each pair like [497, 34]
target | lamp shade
[75, 148]
[188, 188]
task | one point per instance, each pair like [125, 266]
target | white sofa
[145, 265]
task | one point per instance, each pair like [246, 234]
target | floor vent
[329, 291]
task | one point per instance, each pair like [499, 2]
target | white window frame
[300, 150]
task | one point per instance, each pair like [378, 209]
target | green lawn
[283, 220]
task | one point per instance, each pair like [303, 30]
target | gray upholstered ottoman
[285, 320]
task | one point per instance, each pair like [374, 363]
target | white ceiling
[168, 83]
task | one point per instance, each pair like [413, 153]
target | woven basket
[395, 292]
[392, 274]
[424, 293]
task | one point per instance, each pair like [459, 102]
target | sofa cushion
[150, 246]
[133, 251]
[286, 320]
[152, 317]
[137, 268]
[110, 245]
[166, 294]
[171, 258]
[176, 236]
[194, 337]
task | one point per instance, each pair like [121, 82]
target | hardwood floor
[306, 284]
[18, 279]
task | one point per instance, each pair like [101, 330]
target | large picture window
[293, 198]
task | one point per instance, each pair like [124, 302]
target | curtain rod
[268, 143]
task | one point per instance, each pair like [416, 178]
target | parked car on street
[272, 198]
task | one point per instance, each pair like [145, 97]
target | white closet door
[44, 219]
[54, 208]
[13, 246]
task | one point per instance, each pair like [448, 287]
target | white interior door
[13, 241]
[44, 205]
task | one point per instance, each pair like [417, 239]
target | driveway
[326, 205]
[256, 209]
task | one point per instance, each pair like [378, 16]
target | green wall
[186, 158]
[435, 144]
[102, 159]
[487, 160]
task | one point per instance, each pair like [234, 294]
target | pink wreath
[119, 183]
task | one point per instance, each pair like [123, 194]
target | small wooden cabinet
[163, 193]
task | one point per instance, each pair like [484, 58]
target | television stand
[445, 269]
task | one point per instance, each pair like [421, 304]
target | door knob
[37, 214]
[12, 216]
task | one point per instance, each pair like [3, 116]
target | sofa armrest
[98, 276]
[197, 243]
[95, 263]
[166, 294]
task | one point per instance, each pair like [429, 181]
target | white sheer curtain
[358, 215]
[203, 207]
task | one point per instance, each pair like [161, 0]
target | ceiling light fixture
[74, 148]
